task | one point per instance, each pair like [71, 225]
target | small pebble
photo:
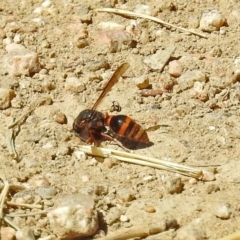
[110, 162]
[25, 234]
[149, 209]
[6, 95]
[124, 218]
[193, 181]
[7, 233]
[222, 211]
[85, 178]
[142, 82]
[173, 185]
[101, 190]
[74, 85]
[20, 61]
[125, 195]
[211, 188]
[39, 181]
[73, 216]
[80, 155]
[46, 192]
[60, 118]
[158, 60]
[175, 68]
[113, 215]
[211, 20]
[187, 80]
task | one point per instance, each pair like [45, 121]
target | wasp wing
[117, 74]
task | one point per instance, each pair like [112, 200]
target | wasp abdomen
[124, 126]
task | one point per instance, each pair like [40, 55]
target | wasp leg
[92, 138]
[107, 137]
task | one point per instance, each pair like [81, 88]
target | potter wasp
[92, 126]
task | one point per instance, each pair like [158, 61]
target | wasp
[92, 126]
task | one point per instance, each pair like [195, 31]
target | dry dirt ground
[201, 131]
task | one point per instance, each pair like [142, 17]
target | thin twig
[7, 220]
[143, 160]
[27, 112]
[28, 214]
[141, 231]
[25, 205]
[3, 193]
[132, 14]
[10, 144]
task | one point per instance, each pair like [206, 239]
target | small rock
[158, 60]
[143, 9]
[149, 209]
[173, 185]
[208, 176]
[25, 234]
[60, 118]
[110, 162]
[191, 232]
[124, 218]
[115, 40]
[6, 95]
[187, 80]
[222, 211]
[211, 188]
[82, 43]
[39, 181]
[74, 85]
[73, 216]
[101, 190]
[80, 29]
[175, 68]
[80, 155]
[46, 192]
[211, 20]
[20, 61]
[113, 216]
[142, 82]
[7, 233]
[125, 195]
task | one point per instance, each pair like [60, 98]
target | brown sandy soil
[194, 131]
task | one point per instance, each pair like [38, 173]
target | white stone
[158, 60]
[188, 79]
[143, 9]
[73, 216]
[211, 20]
[222, 211]
[74, 85]
[20, 61]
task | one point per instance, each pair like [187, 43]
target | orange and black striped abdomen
[124, 126]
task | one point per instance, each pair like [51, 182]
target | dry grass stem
[142, 160]
[28, 214]
[7, 220]
[10, 144]
[132, 14]
[141, 231]
[234, 236]
[4, 193]
[24, 205]
[27, 112]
